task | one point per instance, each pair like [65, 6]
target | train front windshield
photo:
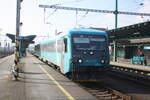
[89, 42]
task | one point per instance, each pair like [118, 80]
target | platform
[132, 66]
[38, 81]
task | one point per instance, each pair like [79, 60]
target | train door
[64, 50]
[57, 56]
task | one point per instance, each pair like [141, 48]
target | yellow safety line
[59, 86]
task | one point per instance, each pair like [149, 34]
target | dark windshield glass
[88, 42]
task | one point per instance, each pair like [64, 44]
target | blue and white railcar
[77, 51]
[37, 50]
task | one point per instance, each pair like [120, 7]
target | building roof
[135, 31]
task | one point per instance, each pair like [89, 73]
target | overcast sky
[32, 16]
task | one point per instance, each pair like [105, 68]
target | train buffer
[38, 81]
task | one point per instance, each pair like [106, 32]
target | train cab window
[89, 42]
[65, 42]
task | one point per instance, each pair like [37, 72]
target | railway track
[132, 75]
[133, 84]
[102, 92]
[115, 90]
[129, 86]
[140, 71]
[99, 89]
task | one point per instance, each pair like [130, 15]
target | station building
[130, 41]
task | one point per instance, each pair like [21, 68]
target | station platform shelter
[130, 43]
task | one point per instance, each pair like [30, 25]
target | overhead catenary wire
[56, 9]
[51, 14]
[93, 10]
[74, 1]
[76, 17]
[44, 14]
[83, 16]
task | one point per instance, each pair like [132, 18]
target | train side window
[65, 42]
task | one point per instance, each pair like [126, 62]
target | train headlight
[91, 52]
[80, 61]
[102, 61]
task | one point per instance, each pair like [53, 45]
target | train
[79, 53]
[6, 51]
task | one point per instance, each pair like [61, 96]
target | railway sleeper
[137, 72]
[144, 76]
[102, 92]
[92, 91]
[103, 95]
[109, 98]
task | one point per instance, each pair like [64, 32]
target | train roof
[86, 31]
[75, 31]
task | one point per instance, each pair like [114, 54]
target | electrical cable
[51, 13]
[81, 18]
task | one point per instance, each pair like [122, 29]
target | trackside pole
[15, 69]
[16, 61]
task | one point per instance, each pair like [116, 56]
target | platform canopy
[24, 41]
[135, 31]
